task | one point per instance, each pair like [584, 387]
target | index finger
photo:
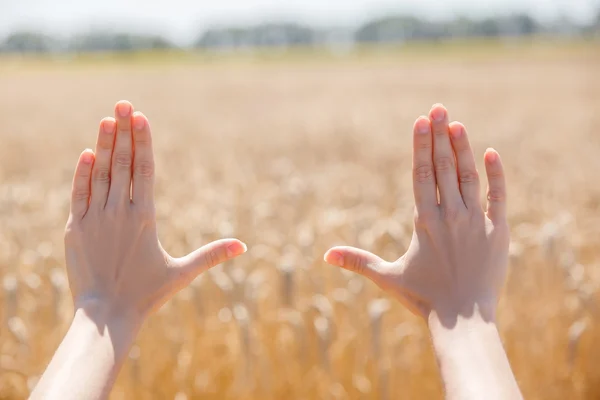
[496, 208]
[424, 183]
[143, 162]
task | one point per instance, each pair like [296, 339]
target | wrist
[119, 322]
[104, 310]
[449, 313]
[97, 326]
[460, 324]
[456, 333]
[460, 339]
[471, 357]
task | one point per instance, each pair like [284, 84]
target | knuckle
[84, 173]
[145, 214]
[110, 211]
[476, 216]
[424, 144]
[444, 163]
[211, 258]
[495, 173]
[142, 138]
[423, 218]
[106, 142]
[144, 169]
[116, 211]
[439, 129]
[450, 213]
[496, 195]
[461, 146]
[468, 177]
[81, 193]
[101, 174]
[123, 159]
[424, 173]
[357, 264]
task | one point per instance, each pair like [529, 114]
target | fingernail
[235, 249]
[124, 109]
[438, 114]
[108, 125]
[456, 131]
[491, 155]
[335, 258]
[423, 126]
[87, 157]
[139, 122]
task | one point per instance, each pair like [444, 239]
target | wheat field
[293, 157]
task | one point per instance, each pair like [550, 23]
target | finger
[122, 157]
[143, 162]
[208, 256]
[80, 195]
[443, 158]
[101, 171]
[356, 260]
[468, 177]
[496, 195]
[424, 186]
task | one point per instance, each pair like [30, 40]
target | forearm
[89, 358]
[472, 360]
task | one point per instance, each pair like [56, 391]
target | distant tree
[404, 28]
[489, 27]
[524, 24]
[281, 35]
[27, 42]
[157, 42]
[564, 26]
[460, 27]
[399, 29]
[121, 42]
[264, 35]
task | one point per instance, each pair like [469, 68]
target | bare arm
[454, 268]
[472, 361]
[118, 271]
[88, 360]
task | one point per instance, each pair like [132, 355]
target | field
[294, 156]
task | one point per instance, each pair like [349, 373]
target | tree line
[390, 29]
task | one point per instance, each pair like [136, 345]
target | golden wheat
[292, 159]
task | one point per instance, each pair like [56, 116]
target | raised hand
[456, 261]
[114, 257]
[118, 271]
[455, 266]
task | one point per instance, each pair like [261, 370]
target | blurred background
[288, 125]
[232, 25]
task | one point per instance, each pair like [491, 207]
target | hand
[118, 271]
[456, 262]
[115, 261]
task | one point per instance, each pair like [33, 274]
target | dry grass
[294, 158]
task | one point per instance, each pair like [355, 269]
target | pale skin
[455, 266]
[118, 271]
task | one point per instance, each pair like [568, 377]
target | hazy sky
[182, 20]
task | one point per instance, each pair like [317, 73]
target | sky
[183, 20]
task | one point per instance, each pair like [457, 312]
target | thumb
[356, 260]
[209, 256]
